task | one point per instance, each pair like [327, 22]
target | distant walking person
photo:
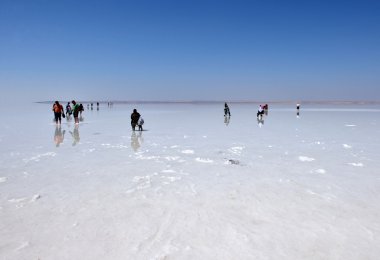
[75, 111]
[135, 116]
[260, 112]
[58, 110]
[226, 110]
[298, 110]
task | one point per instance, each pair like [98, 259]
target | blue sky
[190, 50]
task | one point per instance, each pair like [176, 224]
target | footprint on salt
[356, 164]
[305, 159]
[346, 146]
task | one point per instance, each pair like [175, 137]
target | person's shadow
[75, 135]
[59, 135]
[136, 140]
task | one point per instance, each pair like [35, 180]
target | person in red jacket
[58, 110]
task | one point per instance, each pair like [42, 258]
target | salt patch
[311, 192]
[357, 164]
[3, 179]
[16, 200]
[305, 159]
[203, 160]
[236, 149]
[233, 161]
[172, 178]
[35, 197]
[347, 146]
[39, 156]
[188, 152]
[23, 245]
[350, 125]
[172, 158]
[168, 171]
[321, 171]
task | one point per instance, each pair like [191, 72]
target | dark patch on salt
[231, 161]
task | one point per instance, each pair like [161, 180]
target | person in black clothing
[226, 110]
[81, 109]
[135, 116]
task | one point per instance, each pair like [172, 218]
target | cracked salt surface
[172, 191]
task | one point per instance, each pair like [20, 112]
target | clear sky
[189, 50]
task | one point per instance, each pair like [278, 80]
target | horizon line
[223, 101]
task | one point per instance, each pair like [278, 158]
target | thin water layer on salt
[193, 185]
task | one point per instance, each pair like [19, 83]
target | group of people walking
[263, 109]
[75, 110]
[136, 118]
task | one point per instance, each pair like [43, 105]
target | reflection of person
[260, 121]
[226, 120]
[58, 136]
[58, 110]
[135, 141]
[226, 110]
[135, 116]
[75, 135]
[75, 111]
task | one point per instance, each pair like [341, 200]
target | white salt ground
[288, 187]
